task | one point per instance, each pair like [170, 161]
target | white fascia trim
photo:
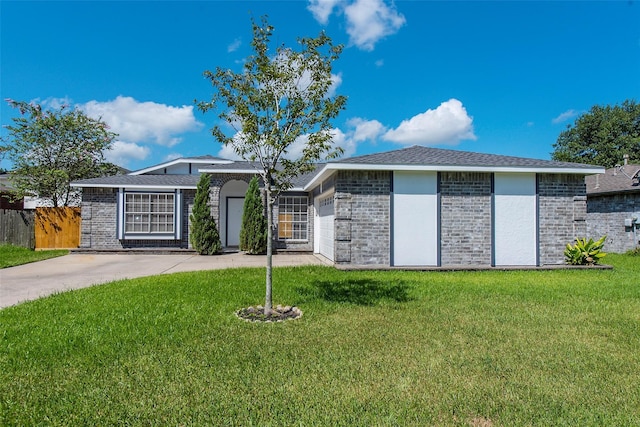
[179, 161]
[330, 168]
[249, 171]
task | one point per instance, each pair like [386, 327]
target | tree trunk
[267, 300]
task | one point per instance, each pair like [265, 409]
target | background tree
[253, 232]
[51, 148]
[205, 237]
[602, 136]
[276, 102]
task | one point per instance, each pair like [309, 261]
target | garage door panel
[326, 227]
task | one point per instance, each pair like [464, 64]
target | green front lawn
[373, 348]
[11, 256]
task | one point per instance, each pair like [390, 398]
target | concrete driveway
[74, 271]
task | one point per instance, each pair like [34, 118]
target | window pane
[149, 212]
[293, 217]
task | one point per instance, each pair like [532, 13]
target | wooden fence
[17, 228]
[57, 228]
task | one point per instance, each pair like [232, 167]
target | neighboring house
[410, 207]
[613, 207]
[27, 202]
[6, 194]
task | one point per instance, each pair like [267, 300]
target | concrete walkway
[79, 270]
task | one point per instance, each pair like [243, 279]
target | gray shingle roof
[177, 181]
[418, 155]
[614, 181]
[298, 182]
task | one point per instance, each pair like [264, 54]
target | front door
[235, 207]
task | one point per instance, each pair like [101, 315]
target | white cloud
[235, 45]
[122, 152]
[346, 141]
[135, 121]
[567, 115]
[227, 152]
[368, 21]
[322, 9]
[172, 156]
[447, 124]
[365, 130]
[336, 81]
[52, 103]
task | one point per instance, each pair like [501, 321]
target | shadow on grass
[357, 291]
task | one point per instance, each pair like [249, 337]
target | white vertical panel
[235, 208]
[415, 218]
[515, 222]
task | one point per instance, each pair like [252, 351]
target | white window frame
[167, 214]
[293, 218]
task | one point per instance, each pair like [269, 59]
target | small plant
[633, 252]
[585, 252]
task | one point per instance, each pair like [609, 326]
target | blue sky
[491, 77]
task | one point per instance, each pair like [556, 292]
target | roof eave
[247, 171]
[137, 186]
[331, 168]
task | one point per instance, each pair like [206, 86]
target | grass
[11, 256]
[485, 348]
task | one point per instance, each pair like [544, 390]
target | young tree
[51, 148]
[277, 102]
[204, 232]
[602, 136]
[253, 232]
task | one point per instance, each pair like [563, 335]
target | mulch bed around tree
[277, 314]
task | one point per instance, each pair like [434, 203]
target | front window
[149, 213]
[293, 218]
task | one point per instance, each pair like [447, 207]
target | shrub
[585, 252]
[253, 232]
[204, 231]
[633, 252]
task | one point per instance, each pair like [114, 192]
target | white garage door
[324, 226]
[415, 218]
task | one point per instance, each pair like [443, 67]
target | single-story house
[613, 207]
[416, 206]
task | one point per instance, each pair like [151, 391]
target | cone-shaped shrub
[253, 233]
[204, 232]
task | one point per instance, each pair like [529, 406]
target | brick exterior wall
[562, 206]
[99, 219]
[465, 218]
[99, 212]
[363, 217]
[605, 216]
[363, 213]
